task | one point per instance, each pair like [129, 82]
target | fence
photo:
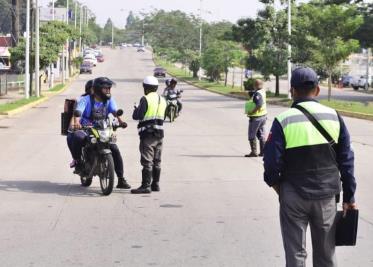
[10, 82]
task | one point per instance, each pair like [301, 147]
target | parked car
[141, 49]
[361, 82]
[346, 80]
[159, 72]
[86, 67]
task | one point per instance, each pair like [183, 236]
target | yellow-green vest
[154, 116]
[310, 162]
[250, 105]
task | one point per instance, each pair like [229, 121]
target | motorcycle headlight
[93, 140]
[104, 135]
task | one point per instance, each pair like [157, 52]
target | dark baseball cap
[303, 76]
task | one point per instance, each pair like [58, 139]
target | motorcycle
[97, 159]
[172, 110]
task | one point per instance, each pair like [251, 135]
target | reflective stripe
[158, 127]
[155, 118]
[302, 118]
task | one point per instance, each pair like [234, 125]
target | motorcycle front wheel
[172, 114]
[106, 174]
[85, 181]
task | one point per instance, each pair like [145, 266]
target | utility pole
[289, 49]
[53, 11]
[67, 71]
[200, 38]
[27, 63]
[368, 81]
[143, 33]
[37, 47]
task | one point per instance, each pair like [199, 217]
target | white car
[361, 82]
[90, 58]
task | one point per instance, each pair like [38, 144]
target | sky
[214, 10]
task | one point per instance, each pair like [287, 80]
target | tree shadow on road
[47, 187]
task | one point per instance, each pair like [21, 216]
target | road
[213, 209]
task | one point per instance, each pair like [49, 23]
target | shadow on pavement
[46, 187]
[213, 156]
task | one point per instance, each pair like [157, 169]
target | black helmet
[173, 81]
[88, 87]
[167, 82]
[99, 83]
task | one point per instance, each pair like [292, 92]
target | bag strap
[317, 125]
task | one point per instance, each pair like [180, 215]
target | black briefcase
[346, 228]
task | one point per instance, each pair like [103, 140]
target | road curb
[46, 95]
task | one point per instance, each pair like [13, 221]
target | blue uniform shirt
[84, 108]
[274, 151]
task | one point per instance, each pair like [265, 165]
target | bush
[249, 84]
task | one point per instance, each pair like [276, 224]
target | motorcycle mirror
[119, 112]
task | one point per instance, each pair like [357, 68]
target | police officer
[256, 110]
[306, 171]
[150, 114]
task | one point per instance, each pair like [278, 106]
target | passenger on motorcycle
[171, 93]
[90, 109]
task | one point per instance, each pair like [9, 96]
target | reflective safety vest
[154, 116]
[250, 105]
[309, 161]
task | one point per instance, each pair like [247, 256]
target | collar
[305, 99]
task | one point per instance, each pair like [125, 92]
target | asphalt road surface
[213, 209]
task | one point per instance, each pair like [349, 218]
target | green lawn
[57, 87]
[18, 103]
[358, 107]
[365, 108]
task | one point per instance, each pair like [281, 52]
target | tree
[130, 20]
[219, 57]
[328, 32]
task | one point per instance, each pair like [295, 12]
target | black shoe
[141, 190]
[79, 167]
[155, 187]
[122, 183]
[251, 155]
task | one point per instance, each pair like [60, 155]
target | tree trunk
[15, 21]
[226, 78]
[329, 84]
[233, 78]
[277, 85]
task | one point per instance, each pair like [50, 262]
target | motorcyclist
[171, 93]
[91, 108]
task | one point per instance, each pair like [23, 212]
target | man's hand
[348, 206]
[76, 124]
[122, 123]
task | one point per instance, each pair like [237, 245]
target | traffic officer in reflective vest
[256, 110]
[306, 171]
[150, 114]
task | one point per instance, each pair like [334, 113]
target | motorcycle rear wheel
[107, 175]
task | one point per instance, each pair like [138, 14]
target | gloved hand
[123, 124]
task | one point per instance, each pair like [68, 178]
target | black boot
[122, 183]
[254, 152]
[261, 146]
[155, 183]
[145, 185]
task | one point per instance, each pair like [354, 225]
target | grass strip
[18, 103]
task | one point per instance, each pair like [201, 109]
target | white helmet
[151, 80]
